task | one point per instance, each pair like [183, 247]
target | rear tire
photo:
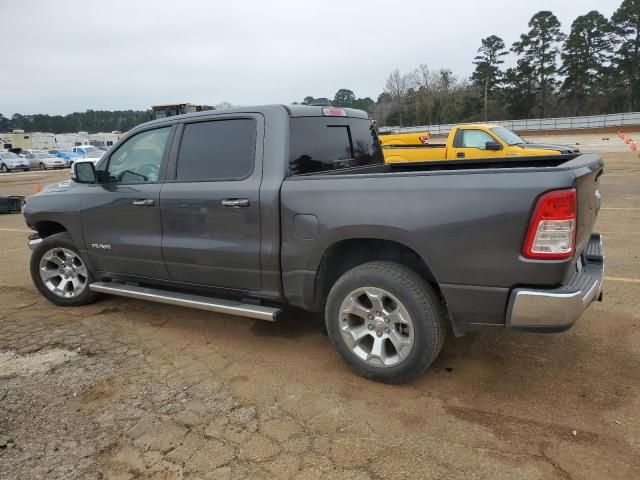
[4, 168]
[385, 321]
[60, 274]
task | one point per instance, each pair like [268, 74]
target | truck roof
[478, 125]
[291, 110]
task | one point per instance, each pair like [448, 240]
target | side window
[318, 145]
[217, 150]
[366, 146]
[139, 158]
[475, 139]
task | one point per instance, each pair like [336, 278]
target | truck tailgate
[587, 170]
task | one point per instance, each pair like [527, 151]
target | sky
[62, 56]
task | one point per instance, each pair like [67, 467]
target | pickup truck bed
[249, 210]
[460, 219]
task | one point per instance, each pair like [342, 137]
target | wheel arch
[345, 254]
[46, 228]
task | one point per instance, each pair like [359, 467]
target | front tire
[42, 166]
[385, 321]
[59, 272]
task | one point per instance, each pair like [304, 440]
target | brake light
[334, 112]
[552, 230]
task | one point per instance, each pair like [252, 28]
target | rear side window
[320, 144]
[217, 150]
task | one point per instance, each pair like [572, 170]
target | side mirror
[83, 172]
[492, 146]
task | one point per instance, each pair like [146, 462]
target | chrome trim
[555, 308]
[34, 242]
[229, 307]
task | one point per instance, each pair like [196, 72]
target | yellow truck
[472, 141]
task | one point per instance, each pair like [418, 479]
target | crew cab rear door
[210, 203]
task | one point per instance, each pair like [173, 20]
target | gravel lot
[126, 389]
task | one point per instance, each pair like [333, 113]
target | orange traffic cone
[634, 146]
[38, 188]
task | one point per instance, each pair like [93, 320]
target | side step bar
[230, 307]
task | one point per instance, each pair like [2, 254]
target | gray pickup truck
[244, 211]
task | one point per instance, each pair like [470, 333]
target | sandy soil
[125, 389]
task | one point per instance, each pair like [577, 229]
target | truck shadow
[294, 323]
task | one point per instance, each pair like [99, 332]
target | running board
[230, 307]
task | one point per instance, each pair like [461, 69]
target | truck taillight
[552, 230]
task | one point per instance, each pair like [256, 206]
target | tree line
[592, 69]
[91, 121]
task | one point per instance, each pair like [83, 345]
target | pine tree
[539, 48]
[585, 56]
[487, 74]
[626, 21]
[520, 89]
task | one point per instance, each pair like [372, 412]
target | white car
[88, 152]
[45, 161]
[10, 161]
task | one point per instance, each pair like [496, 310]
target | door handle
[460, 155]
[235, 202]
[147, 202]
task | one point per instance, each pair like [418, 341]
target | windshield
[8, 155]
[92, 154]
[507, 136]
[90, 149]
[45, 155]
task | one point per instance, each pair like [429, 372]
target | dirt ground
[125, 389]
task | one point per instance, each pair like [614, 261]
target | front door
[121, 215]
[471, 143]
[211, 209]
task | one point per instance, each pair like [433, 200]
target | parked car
[472, 141]
[294, 205]
[11, 203]
[89, 152]
[44, 161]
[94, 156]
[26, 151]
[68, 157]
[11, 161]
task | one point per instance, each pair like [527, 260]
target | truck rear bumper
[556, 310]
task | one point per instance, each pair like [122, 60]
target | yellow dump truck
[471, 141]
